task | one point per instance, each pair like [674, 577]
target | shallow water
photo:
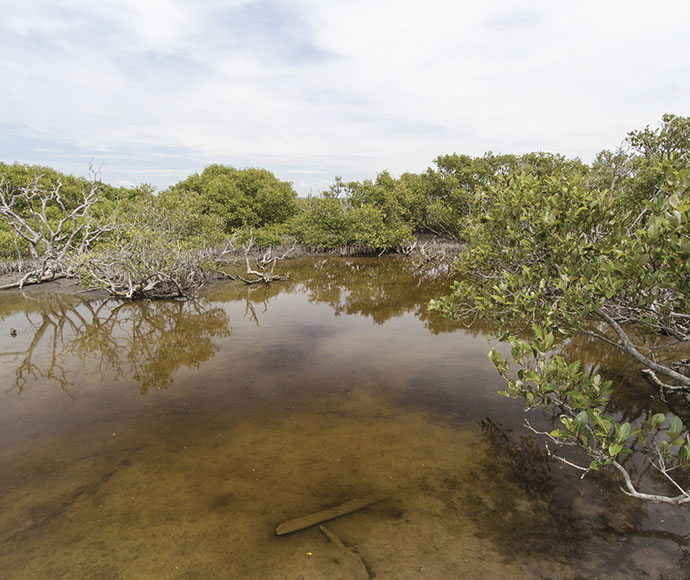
[168, 439]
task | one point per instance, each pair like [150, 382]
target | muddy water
[167, 440]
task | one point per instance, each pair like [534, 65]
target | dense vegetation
[551, 247]
[605, 252]
[372, 216]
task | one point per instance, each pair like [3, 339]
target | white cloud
[351, 88]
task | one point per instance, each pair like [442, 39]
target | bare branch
[263, 268]
[651, 375]
[53, 238]
[627, 346]
[630, 490]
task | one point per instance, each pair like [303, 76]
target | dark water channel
[167, 440]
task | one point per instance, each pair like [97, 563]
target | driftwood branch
[29, 279]
[325, 515]
[358, 561]
[662, 385]
[629, 489]
[263, 267]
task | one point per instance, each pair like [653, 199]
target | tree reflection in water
[521, 499]
[523, 459]
[144, 340]
[379, 289]
[525, 507]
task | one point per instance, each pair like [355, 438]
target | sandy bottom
[176, 495]
[168, 440]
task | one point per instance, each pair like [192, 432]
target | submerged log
[323, 516]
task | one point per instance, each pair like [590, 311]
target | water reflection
[146, 341]
[335, 383]
[528, 504]
[525, 513]
[523, 460]
[255, 302]
[379, 289]
[149, 341]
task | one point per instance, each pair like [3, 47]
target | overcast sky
[154, 90]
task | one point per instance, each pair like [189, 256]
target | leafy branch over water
[558, 255]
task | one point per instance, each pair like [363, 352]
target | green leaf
[581, 420]
[675, 425]
[615, 449]
[537, 331]
[684, 453]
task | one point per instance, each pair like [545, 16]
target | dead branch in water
[356, 558]
[31, 278]
[263, 267]
[323, 516]
[147, 255]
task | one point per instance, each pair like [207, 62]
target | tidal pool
[168, 439]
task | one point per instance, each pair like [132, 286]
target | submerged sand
[298, 404]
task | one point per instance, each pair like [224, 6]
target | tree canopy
[241, 197]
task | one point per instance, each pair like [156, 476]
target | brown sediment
[189, 434]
